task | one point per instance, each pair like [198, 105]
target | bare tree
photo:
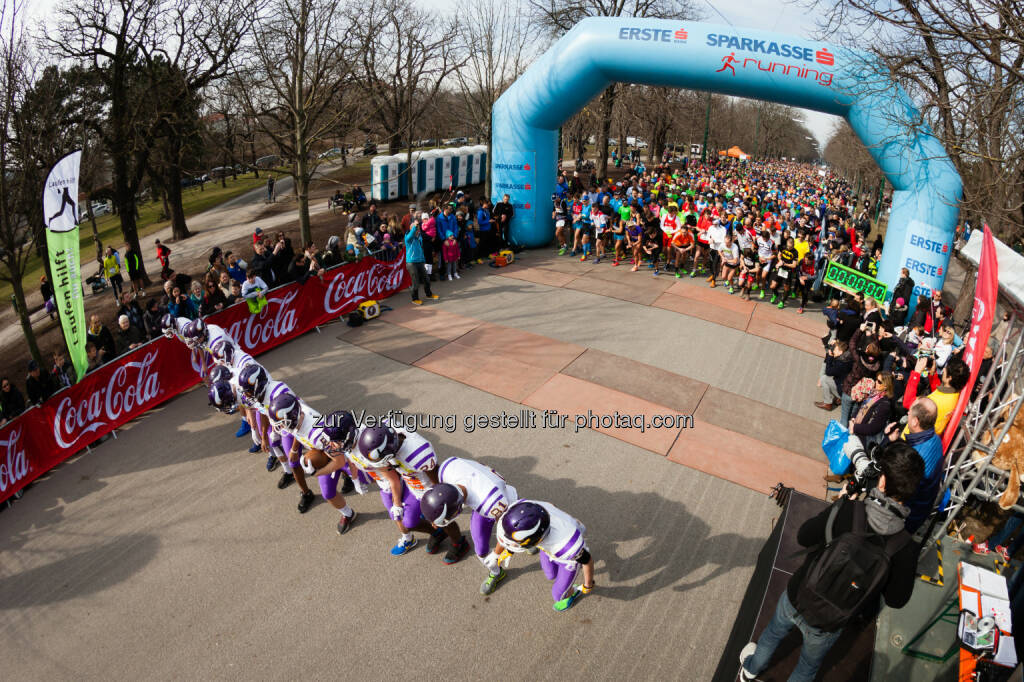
[558, 16]
[292, 83]
[408, 54]
[493, 40]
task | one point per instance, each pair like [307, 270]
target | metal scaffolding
[969, 470]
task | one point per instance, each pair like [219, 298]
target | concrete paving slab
[786, 335]
[698, 290]
[636, 378]
[432, 320]
[811, 322]
[578, 398]
[745, 461]
[644, 294]
[703, 310]
[763, 422]
[491, 371]
[539, 275]
[392, 341]
[525, 347]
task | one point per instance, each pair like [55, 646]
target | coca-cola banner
[118, 392]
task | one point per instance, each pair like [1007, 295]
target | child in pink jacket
[450, 251]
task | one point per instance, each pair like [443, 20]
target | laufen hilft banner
[60, 210]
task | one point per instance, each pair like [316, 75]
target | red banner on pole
[120, 391]
[985, 294]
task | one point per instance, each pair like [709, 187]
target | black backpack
[847, 573]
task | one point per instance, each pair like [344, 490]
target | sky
[769, 15]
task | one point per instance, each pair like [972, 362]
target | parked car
[334, 151]
[220, 171]
[98, 208]
[369, 148]
[268, 161]
[460, 140]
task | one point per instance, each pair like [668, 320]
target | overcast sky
[769, 15]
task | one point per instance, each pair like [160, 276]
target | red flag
[985, 293]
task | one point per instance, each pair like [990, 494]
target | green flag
[60, 209]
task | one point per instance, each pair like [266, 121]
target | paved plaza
[170, 553]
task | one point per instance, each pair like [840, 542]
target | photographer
[838, 363]
[818, 603]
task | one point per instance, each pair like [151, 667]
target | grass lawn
[109, 226]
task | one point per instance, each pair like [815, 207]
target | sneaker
[285, 480]
[305, 501]
[782, 303]
[732, 290]
[597, 260]
[348, 486]
[491, 583]
[774, 299]
[746, 653]
[437, 536]
[433, 296]
[679, 275]
[583, 258]
[561, 251]
[272, 462]
[634, 268]
[800, 310]
[710, 278]
[457, 276]
[693, 273]
[449, 278]
[403, 547]
[243, 429]
[712, 285]
[256, 447]
[566, 604]
[456, 552]
[656, 273]
[346, 522]
[760, 295]
[615, 263]
[417, 301]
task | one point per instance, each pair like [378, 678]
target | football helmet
[441, 504]
[340, 429]
[168, 325]
[378, 445]
[195, 333]
[524, 525]
[284, 412]
[222, 396]
[253, 381]
[220, 373]
[223, 351]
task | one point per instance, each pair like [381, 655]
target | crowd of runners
[763, 229]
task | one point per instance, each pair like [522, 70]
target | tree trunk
[487, 166]
[26, 325]
[172, 194]
[124, 200]
[607, 107]
[301, 181]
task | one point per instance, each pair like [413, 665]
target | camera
[866, 471]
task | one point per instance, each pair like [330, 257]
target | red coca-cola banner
[986, 292]
[118, 392]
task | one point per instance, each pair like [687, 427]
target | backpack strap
[832, 519]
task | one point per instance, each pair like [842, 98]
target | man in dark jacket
[260, 263]
[131, 308]
[921, 436]
[101, 337]
[838, 363]
[39, 386]
[904, 289]
[133, 264]
[502, 214]
[884, 507]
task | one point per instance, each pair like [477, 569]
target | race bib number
[783, 273]
[560, 223]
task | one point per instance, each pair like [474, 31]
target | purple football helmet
[195, 333]
[253, 381]
[378, 445]
[524, 525]
[284, 412]
[441, 504]
[340, 429]
[220, 373]
[223, 351]
[222, 396]
[168, 325]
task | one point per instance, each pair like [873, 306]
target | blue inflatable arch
[732, 61]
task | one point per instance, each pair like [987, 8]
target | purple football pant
[411, 517]
[561, 574]
[480, 528]
[329, 483]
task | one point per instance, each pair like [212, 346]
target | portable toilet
[418, 174]
[380, 176]
[445, 180]
[432, 170]
[477, 154]
[483, 161]
[464, 154]
[403, 175]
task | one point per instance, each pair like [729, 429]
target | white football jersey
[309, 431]
[215, 334]
[564, 541]
[487, 493]
[415, 457]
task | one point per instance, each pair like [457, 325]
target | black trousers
[418, 272]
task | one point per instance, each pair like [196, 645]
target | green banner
[853, 281]
[60, 208]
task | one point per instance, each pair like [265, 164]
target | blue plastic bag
[832, 443]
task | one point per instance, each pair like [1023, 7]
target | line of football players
[419, 495]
